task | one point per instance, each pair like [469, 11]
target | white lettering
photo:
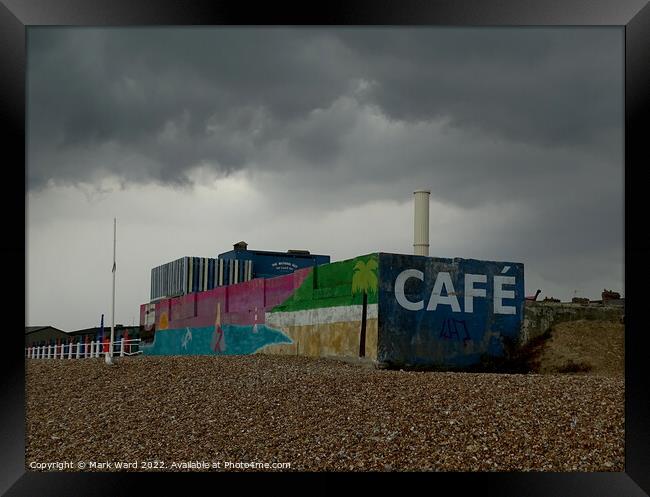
[443, 280]
[471, 292]
[500, 294]
[399, 289]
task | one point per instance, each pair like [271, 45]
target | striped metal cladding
[197, 274]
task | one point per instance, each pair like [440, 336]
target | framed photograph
[357, 238]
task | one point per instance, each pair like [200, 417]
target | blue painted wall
[422, 327]
[227, 339]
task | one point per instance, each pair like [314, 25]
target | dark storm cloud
[158, 102]
[553, 87]
[318, 138]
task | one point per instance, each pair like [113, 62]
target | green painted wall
[331, 285]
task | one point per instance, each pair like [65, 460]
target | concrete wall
[540, 317]
[448, 313]
[420, 311]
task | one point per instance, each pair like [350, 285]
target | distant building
[40, 335]
[268, 264]
[94, 333]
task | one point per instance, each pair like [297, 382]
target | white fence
[84, 350]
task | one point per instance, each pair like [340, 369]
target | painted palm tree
[364, 280]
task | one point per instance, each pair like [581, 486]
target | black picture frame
[634, 15]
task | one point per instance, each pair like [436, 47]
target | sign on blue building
[447, 312]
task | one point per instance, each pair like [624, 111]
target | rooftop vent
[298, 252]
[240, 246]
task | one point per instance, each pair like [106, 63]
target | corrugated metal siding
[196, 274]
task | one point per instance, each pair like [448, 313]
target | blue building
[267, 264]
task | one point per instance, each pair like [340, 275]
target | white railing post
[122, 347]
[49, 351]
[78, 351]
[70, 350]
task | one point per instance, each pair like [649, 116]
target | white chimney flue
[421, 234]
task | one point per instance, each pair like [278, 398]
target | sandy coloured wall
[328, 331]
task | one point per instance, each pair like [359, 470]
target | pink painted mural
[201, 323]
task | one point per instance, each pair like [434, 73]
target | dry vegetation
[592, 347]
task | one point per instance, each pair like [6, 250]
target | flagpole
[109, 355]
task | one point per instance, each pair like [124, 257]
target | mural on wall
[447, 312]
[163, 324]
[149, 317]
[225, 320]
[218, 342]
[364, 281]
[398, 309]
[333, 312]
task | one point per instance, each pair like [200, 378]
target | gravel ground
[318, 414]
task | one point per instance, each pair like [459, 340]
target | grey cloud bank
[518, 133]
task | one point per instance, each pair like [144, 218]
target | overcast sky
[315, 139]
